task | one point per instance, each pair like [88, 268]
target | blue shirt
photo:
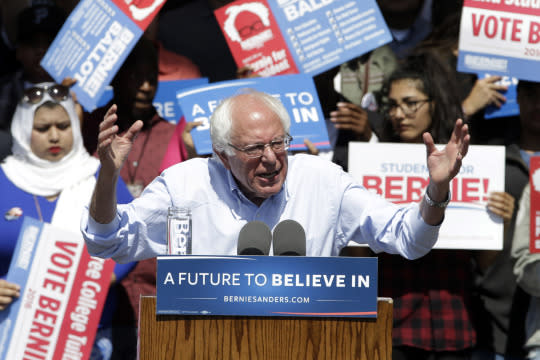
[332, 208]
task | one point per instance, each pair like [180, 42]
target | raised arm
[113, 151]
[443, 166]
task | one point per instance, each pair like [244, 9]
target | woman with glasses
[49, 177]
[432, 294]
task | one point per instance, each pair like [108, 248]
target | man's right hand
[113, 149]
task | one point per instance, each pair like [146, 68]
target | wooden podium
[168, 337]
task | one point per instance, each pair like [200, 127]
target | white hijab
[72, 176]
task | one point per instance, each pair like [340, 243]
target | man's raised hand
[444, 164]
[112, 148]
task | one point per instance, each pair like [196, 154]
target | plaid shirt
[431, 299]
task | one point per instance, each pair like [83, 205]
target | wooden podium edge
[171, 337]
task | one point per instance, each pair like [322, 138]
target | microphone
[289, 239]
[254, 239]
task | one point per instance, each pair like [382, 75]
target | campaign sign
[534, 174]
[106, 96]
[165, 98]
[500, 37]
[399, 173]
[296, 92]
[288, 36]
[63, 290]
[267, 286]
[511, 106]
[254, 38]
[94, 42]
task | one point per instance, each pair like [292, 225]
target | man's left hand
[444, 164]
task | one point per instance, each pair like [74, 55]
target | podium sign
[267, 286]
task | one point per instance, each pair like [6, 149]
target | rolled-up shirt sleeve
[138, 230]
[367, 218]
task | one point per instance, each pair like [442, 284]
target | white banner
[399, 173]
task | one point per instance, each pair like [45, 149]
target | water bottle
[179, 231]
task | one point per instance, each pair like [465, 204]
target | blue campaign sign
[165, 99]
[296, 92]
[267, 286]
[91, 46]
[325, 34]
[22, 258]
[106, 96]
[510, 107]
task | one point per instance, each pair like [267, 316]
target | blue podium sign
[267, 286]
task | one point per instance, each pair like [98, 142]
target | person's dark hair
[40, 18]
[444, 37]
[524, 85]
[143, 53]
[434, 79]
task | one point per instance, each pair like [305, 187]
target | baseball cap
[46, 19]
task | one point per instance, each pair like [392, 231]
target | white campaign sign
[399, 173]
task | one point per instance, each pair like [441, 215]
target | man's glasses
[409, 107]
[35, 94]
[278, 146]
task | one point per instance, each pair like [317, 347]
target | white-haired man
[251, 177]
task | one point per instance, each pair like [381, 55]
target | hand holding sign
[484, 92]
[502, 204]
[351, 117]
[8, 293]
[188, 139]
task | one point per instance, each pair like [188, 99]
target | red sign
[254, 38]
[142, 12]
[534, 178]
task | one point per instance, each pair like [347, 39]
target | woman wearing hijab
[49, 177]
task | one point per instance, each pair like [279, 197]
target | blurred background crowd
[450, 304]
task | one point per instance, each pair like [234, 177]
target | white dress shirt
[325, 200]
